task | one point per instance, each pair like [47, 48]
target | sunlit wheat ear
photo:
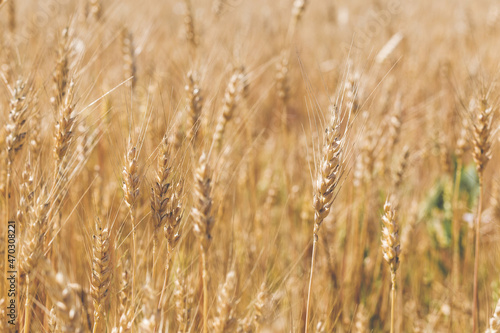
[327, 179]
[183, 295]
[36, 227]
[27, 192]
[351, 92]
[131, 177]
[15, 136]
[193, 109]
[190, 32]
[253, 323]
[400, 169]
[202, 208]
[391, 249]
[227, 110]
[171, 230]
[18, 114]
[125, 307]
[174, 217]
[482, 136]
[63, 134]
[329, 172]
[243, 84]
[35, 137]
[101, 275]
[131, 189]
[260, 303]
[482, 130]
[281, 78]
[203, 223]
[494, 326]
[225, 304]
[160, 193]
[61, 72]
[390, 238]
[129, 58]
[35, 222]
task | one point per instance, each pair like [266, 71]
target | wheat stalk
[32, 251]
[203, 223]
[131, 193]
[160, 194]
[328, 178]
[171, 229]
[482, 154]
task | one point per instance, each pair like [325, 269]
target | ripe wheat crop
[249, 166]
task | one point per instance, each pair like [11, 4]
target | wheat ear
[131, 190]
[128, 55]
[160, 195]
[101, 274]
[171, 230]
[203, 223]
[227, 110]
[225, 304]
[60, 75]
[32, 250]
[193, 108]
[327, 180]
[482, 154]
[190, 32]
[183, 294]
[14, 140]
[391, 249]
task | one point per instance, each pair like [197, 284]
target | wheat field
[249, 166]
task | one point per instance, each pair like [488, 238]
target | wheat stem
[309, 289]
[456, 233]
[393, 298]
[205, 288]
[475, 303]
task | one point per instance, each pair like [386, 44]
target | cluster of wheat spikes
[249, 166]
